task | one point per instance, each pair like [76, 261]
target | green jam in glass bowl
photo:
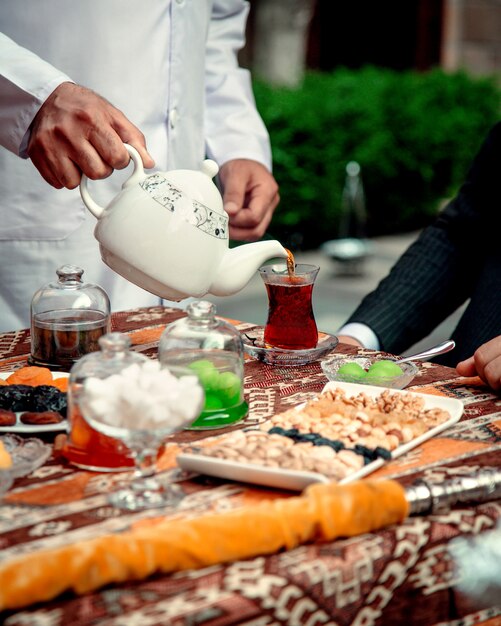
[366, 370]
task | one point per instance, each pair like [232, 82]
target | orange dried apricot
[61, 383]
[31, 375]
[3, 382]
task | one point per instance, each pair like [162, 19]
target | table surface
[376, 578]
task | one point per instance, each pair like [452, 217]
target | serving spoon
[440, 348]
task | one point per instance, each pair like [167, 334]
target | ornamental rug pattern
[399, 575]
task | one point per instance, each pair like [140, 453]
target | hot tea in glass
[291, 323]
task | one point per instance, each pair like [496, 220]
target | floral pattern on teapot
[210, 222]
[198, 215]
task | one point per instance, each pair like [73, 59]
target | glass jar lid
[113, 356]
[69, 294]
[213, 349]
[200, 330]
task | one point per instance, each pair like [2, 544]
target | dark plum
[16, 397]
[48, 398]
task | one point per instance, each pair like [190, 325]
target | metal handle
[429, 497]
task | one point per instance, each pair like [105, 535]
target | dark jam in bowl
[59, 338]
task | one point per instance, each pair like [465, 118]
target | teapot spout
[240, 264]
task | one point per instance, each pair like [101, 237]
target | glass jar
[213, 349]
[68, 317]
[86, 447]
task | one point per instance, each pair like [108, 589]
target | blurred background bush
[406, 89]
[413, 134]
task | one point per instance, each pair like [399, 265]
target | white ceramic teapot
[167, 232]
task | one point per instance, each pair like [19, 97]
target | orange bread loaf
[322, 512]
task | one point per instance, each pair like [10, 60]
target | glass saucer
[254, 346]
[6, 480]
[27, 454]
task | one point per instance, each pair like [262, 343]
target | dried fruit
[31, 375]
[5, 458]
[16, 397]
[7, 418]
[40, 419]
[61, 383]
[48, 398]
[39, 392]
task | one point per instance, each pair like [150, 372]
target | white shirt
[362, 333]
[169, 65]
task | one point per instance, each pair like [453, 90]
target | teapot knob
[210, 168]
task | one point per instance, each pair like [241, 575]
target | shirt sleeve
[362, 333]
[25, 83]
[234, 128]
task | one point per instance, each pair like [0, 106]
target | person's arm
[350, 341]
[486, 363]
[26, 81]
[236, 137]
[429, 281]
[439, 271]
[65, 129]
[77, 131]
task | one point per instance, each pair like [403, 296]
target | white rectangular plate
[19, 427]
[297, 480]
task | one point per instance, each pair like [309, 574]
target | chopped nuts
[333, 434]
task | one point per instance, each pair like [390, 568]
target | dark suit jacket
[456, 259]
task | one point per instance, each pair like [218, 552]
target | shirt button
[180, 1]
[173, 118]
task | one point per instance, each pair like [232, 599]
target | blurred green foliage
[414, 135]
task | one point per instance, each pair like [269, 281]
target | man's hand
[486, 363]
[77, 131]
[250, 195]
[349, 340]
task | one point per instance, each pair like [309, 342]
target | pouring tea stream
[167, 232]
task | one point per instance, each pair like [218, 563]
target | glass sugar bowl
[213, 349]
[86, 447]
[68, 317]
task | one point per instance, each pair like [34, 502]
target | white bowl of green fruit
[367, 370]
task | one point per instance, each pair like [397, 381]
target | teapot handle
[137, 175]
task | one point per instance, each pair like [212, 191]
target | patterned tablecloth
[402, 574]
